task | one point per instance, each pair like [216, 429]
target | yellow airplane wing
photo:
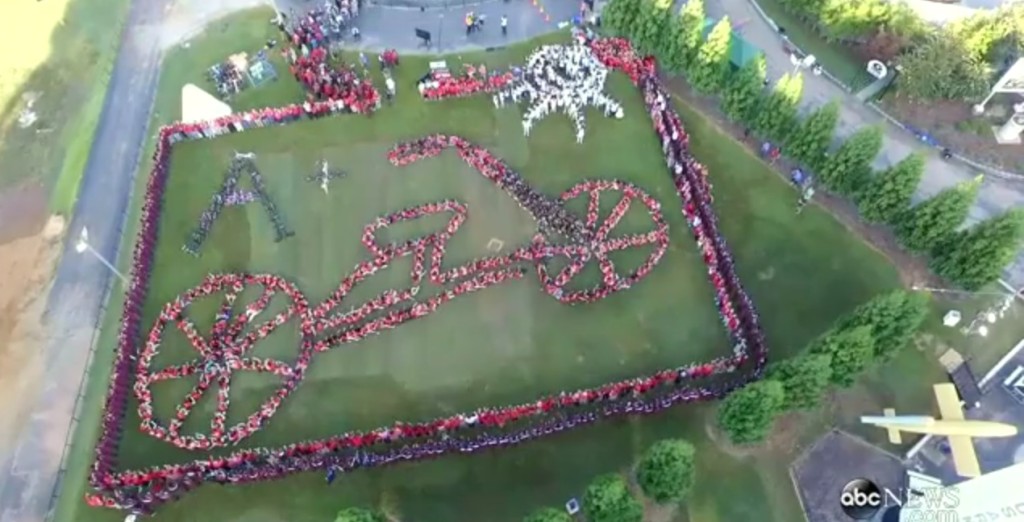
[949, 402]
[964, 459]
[894, 433]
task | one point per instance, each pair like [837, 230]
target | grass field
[64, 56]
[802, 271]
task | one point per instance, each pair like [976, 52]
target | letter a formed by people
[230, 194]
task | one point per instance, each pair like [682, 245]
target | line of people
[691, 181]
[442, 85]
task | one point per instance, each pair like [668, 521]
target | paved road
[29, 473]
[996, 195]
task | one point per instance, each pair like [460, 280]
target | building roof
[834, 460]
[740, 50]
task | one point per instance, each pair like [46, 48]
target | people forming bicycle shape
[227, 347]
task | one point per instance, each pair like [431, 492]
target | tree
[746, 415]
[812, 139]
[849, 169]
[354, 514]
[942, 68]
[691, 31]
[777, 115]
[607, 499]
[674, 57]
[666, 471]
[856, 18]
[975, 257]
[933, 221]
[708, 73]
[652, 25]
[894, 318]
[851, 351]
[804, 379]
[744, 91]
[808, 8]
[888, 194]
[548, 515]
[621, 17]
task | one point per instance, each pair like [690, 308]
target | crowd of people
[140, 491]
[231, 194]
[321, 26]
[324, 82]
[309, 59]
[227, 79]
[566, 78]
[441, 84]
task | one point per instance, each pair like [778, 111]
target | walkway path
[996, 195]
[385, 27]
[28, 475]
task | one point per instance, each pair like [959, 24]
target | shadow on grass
[68, 88]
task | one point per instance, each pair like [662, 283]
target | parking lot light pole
[82, 246]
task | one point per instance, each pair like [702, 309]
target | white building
[996, 496]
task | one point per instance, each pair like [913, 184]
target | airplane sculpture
[952, 425]
[324, 175]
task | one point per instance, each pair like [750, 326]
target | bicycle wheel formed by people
[221, 352]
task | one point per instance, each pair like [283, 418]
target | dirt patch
[913, 269]
[27, 266]
[22, 211]
[953, 125]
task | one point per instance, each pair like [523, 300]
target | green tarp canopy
[741, 51]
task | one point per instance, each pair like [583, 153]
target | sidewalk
[394, 27]
[996, 195]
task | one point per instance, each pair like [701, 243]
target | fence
[921, 136]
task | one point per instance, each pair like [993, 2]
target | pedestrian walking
[389, 83]
[504, 25]
[469, 23]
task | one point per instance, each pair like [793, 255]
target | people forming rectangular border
[142, 490]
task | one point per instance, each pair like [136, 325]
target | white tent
[198, 105]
